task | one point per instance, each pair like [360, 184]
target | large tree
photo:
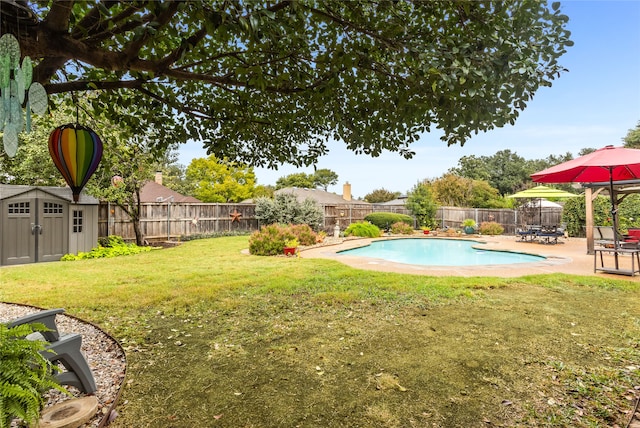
[632, 139]
[505, 170]
[216, 180]
[270, 82]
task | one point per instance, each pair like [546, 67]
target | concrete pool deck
[568, 256]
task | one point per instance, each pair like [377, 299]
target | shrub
[303, 233]
[117, 247]
[269, 240]
[491, 228]
[284, 208]
[25, 374]
[111, 241]
[363, 229]
[401, 228]
[385, 220]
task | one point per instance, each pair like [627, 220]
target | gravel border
[104, 354]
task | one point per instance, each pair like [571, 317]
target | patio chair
[66, 350]
[605, 237]
[550, 234]
[530, 233]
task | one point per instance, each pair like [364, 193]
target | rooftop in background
[320, 196]
[153, 191]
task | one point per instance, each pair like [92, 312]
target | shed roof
[11, 190]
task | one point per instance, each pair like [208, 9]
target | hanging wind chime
[16, 87]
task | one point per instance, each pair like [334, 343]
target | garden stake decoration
[76, 151]
[16, 87]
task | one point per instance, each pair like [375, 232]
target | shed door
[17, 240]
[51, 238]
[34, 230]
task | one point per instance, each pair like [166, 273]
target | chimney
[346, 191]
[158, 178]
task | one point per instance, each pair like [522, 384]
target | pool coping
[570, 256]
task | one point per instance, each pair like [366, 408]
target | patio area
[569, 256]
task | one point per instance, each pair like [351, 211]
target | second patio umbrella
[606, 165]
[542, 192]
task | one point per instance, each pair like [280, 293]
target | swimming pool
[439, 252]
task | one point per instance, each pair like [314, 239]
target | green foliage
[468, 222]
[401, 228]
[321, 178]
[491, 228]
[363, 229]
[284, 208]
[452, 190]
[303, 233]
[110, 241]
[265, 85]
[298, 179]
[135, 162]
[115, 246]
[574, 213]
[291, 243]
[384, 219]
[632, 139]
[504, 171]
[32, 164]
[25, 374]
[381, 195]
[271, 239]
[422, 204]
[218, 180]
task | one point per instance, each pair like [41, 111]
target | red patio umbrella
[606, 165]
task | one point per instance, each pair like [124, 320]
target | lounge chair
[66, 350]
[604, 236]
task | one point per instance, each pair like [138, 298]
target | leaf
[16, 114]
[28, 112]
[5, 71]
[9, 46]
[27, 70]
[20, 88]
[10, 140]
[38, 98]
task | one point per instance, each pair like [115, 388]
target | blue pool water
[439, 252]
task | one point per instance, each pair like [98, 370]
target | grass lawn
[215, 338]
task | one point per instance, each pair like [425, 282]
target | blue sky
[593, 105]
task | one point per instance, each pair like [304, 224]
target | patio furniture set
[544, 234]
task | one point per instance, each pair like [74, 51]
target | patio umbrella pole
[614, 216]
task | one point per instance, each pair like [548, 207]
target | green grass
[276, 341]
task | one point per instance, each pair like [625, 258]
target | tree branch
[134, 47]
[88, 85]
[57, 19]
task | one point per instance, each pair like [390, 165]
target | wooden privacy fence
[164, 221]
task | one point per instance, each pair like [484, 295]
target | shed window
[52, 208]
[77, 221]
[19, 208]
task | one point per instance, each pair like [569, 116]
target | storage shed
[41, 224]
